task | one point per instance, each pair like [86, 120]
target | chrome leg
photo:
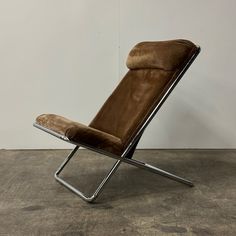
[76, 191]
[156, 170]
[99, 189]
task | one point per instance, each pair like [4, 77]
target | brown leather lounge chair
[154, 70]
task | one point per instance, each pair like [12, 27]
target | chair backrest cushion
[165, 55]
[153, 68]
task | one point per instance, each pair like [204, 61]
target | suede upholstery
[77, 132]
[165, 55]
[153, 68]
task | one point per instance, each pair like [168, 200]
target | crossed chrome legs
[110, 173]
[76, 191]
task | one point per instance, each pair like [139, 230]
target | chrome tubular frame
[78, 192]
[127, 154]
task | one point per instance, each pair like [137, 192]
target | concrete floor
[135, 202]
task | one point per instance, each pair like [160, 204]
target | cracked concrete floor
[134, 202]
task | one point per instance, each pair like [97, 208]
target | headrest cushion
[166, 55]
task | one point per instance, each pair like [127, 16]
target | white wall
[57, 56]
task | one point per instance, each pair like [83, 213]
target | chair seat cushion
[80, 133]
